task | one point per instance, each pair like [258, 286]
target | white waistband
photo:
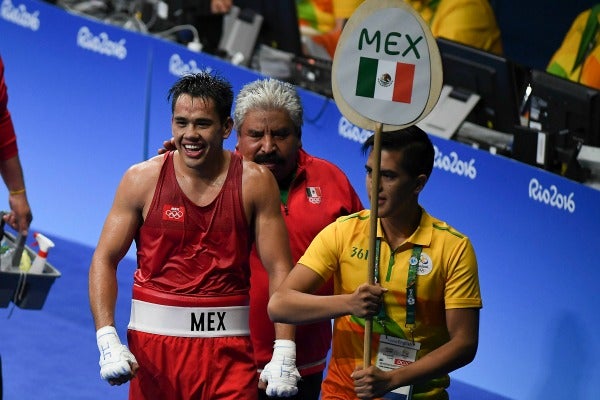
[189, 321]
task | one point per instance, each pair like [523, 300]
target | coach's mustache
[268, 159]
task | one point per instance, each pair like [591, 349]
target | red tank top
[186, 249]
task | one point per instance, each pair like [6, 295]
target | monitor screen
[564, 108]
[280, 23]
[495, 79]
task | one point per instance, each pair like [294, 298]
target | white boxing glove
[116, 360]
[281, 373]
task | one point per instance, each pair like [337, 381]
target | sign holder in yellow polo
[386, 75]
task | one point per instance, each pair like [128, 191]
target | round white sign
[387, 68]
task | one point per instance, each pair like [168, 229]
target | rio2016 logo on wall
[178, 67]
[101, 43]
[350, 131]
[453, 164]
[19, 15]
[551, 196]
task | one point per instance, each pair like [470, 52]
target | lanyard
[411, 285]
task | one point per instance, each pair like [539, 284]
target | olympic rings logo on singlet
[173, 213]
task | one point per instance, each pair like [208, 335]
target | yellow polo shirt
[563, 61]
[471, 22]
[447, 278]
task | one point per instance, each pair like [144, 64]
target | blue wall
[87, 109]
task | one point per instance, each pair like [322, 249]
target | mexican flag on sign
[385, 80]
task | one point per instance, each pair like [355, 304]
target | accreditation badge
[396, 353]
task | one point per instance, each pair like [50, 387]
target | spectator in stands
[321, 23]
[578, 57]
[471, 22]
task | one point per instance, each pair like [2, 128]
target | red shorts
[184, 358]
[183, 368]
